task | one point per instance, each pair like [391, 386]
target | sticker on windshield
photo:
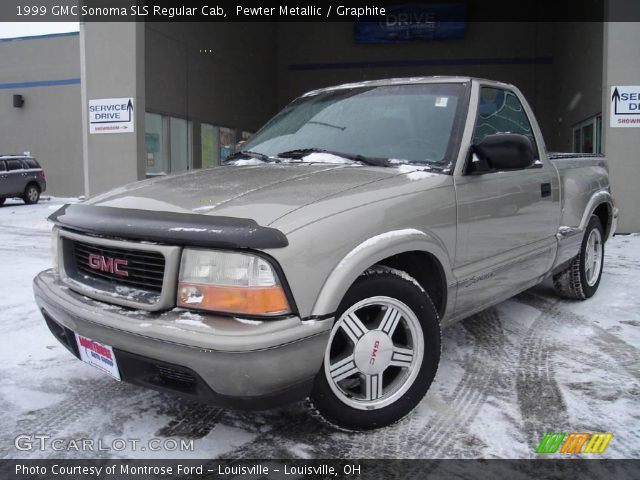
[441, 101]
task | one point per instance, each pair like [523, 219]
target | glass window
[155, 139]
[2, 166]
[587, 139]
[587, 136]
[168, 143]
[14, 165]
[576, 139]
[180, 151]
[31, 163]
[227, 142]
[210, 144]
[414, 123]
[500, 111]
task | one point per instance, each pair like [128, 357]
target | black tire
[383, 282]
[31, 194]
[572, 282]
[2, 199]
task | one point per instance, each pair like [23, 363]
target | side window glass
[500, 111]
[2, 166]
[14, 165]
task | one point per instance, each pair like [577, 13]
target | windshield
[410, 123]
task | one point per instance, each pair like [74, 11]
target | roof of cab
[403, 81]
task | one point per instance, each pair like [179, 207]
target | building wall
[112, 66]
[577, 79]
[622, 145]
[46, 72]
[232, 86]
[517, 53]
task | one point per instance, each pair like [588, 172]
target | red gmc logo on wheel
[108, 264]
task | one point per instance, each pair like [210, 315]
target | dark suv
[22, 177]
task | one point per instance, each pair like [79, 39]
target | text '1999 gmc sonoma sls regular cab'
[324, 258]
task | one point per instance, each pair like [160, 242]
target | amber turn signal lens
[268, 300]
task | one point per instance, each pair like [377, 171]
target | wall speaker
[18, 101]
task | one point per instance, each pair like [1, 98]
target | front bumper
[221, 360]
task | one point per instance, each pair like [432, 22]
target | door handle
[545, 190]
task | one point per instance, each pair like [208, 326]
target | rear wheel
[383, 353]
[581, 278]
[2, 199]
[31, 194]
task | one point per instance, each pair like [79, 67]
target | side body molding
[372, 251]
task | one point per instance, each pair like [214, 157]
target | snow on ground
[530, 365]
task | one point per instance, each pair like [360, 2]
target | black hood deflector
[168, 227]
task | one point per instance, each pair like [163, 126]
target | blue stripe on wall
[40, 83]
[38, 37]
[422, 63]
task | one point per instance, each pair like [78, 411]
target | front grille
[145, 269]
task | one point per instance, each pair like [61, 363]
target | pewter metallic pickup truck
[323, 260]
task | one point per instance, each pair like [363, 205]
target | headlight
[230, 282]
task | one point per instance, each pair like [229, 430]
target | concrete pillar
[622, 145]
[112, 66]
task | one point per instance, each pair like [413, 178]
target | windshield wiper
[250, 154]
[325, 124]
[300, 153]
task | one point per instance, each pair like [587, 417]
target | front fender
[372, 251]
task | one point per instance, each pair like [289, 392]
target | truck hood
[263, 193]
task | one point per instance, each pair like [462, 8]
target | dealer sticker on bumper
[98, 355]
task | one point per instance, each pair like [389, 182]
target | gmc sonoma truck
[324, 258]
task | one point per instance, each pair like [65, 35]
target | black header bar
[312, 10]
[338, 469]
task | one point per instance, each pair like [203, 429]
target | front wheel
[580, 279]
[382, 355]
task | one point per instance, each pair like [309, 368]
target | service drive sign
[625, 107]
[111, 115]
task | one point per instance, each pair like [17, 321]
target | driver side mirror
[500, 152]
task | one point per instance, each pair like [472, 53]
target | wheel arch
[33, 182]
[601, 205]
[604, 212]
[419, 254]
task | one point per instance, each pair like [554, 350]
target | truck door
[507, 220]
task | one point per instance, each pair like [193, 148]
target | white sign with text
[625, 107]
[111, 115]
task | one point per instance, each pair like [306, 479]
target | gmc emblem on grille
[108, 264]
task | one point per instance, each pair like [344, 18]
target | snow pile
[245, 162]
[319, 157]
[416, 172]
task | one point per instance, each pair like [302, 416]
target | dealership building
[190, 91]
